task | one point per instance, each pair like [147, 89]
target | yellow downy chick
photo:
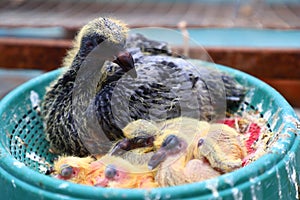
[222, 148]
[172, 158]
[189, 129]
[177, 167]
[186, 146]
[176, 143]
[115, 172]
[73, 169]
[107, 171]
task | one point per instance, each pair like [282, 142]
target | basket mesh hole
[27, 142]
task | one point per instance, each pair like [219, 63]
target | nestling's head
[71, 168]
[110, 33]
[172, 146]
[99, 30]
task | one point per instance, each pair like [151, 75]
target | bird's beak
[157, 158]
[125, 61]
[132, 73]
[171, 145]
[132, 143]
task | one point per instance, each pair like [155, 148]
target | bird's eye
[89, 44]
[110, 171]
[200, 142]
[66, 171]
[170, 142]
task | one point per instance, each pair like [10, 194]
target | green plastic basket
[24, 153]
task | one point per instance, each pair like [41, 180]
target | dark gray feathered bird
[161, 87]
[60, 121]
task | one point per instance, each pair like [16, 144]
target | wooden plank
[278, 67]
[47, 54]
[32, 53]
[288, 88]
[260, 62]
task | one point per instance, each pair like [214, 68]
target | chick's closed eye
[66, 171]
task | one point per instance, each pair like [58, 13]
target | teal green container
[24, 153]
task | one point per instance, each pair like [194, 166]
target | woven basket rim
[51, 185]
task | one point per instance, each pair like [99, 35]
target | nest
[25, 150]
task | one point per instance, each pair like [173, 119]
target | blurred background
[259, 37]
